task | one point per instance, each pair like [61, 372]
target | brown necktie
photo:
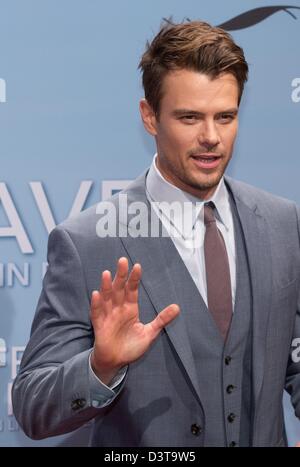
[217, 272]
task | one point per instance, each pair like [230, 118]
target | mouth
[207, 161]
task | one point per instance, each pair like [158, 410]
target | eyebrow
[180, 112]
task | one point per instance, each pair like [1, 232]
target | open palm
[120, 337]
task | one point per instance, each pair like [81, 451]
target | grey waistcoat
[224, 371]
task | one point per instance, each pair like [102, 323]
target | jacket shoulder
[253, 196]
[84, 223]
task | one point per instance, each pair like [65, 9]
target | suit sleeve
[51, 394]
[292, 385]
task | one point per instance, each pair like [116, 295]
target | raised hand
[120, 337]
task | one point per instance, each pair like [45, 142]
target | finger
[99, 305]
[132, 285]
[106, 286]
[164, 318]
[96, 304]
[119, 281]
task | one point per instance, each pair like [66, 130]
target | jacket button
[227, 360]
[230, 389]
[231, 417]
[78, 404]
[196, 429]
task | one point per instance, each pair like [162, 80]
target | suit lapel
[162, 278]
[259, 256]
[161, 264]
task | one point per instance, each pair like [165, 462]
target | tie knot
[209, 215]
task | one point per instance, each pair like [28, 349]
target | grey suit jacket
[160, 398]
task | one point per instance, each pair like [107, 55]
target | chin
[208, 182]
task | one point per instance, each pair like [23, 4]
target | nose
[208, 135]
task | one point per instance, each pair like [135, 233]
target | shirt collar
[159, 190]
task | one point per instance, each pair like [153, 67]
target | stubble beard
[205, 182]
[180, 177]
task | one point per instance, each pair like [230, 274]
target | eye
[226, 117]
[188, 118]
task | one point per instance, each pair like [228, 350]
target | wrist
[103, 372]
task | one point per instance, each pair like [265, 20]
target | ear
[148, 117]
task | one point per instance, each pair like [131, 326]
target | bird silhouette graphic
[252, 17]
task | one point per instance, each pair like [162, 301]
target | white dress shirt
[188, 232]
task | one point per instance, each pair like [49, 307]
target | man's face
[195, 130]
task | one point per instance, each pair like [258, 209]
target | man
[196, 349]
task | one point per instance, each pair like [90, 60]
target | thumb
[164, 318]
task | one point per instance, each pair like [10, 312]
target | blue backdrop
[71, 132]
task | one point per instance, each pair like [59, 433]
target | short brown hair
[193, 45]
